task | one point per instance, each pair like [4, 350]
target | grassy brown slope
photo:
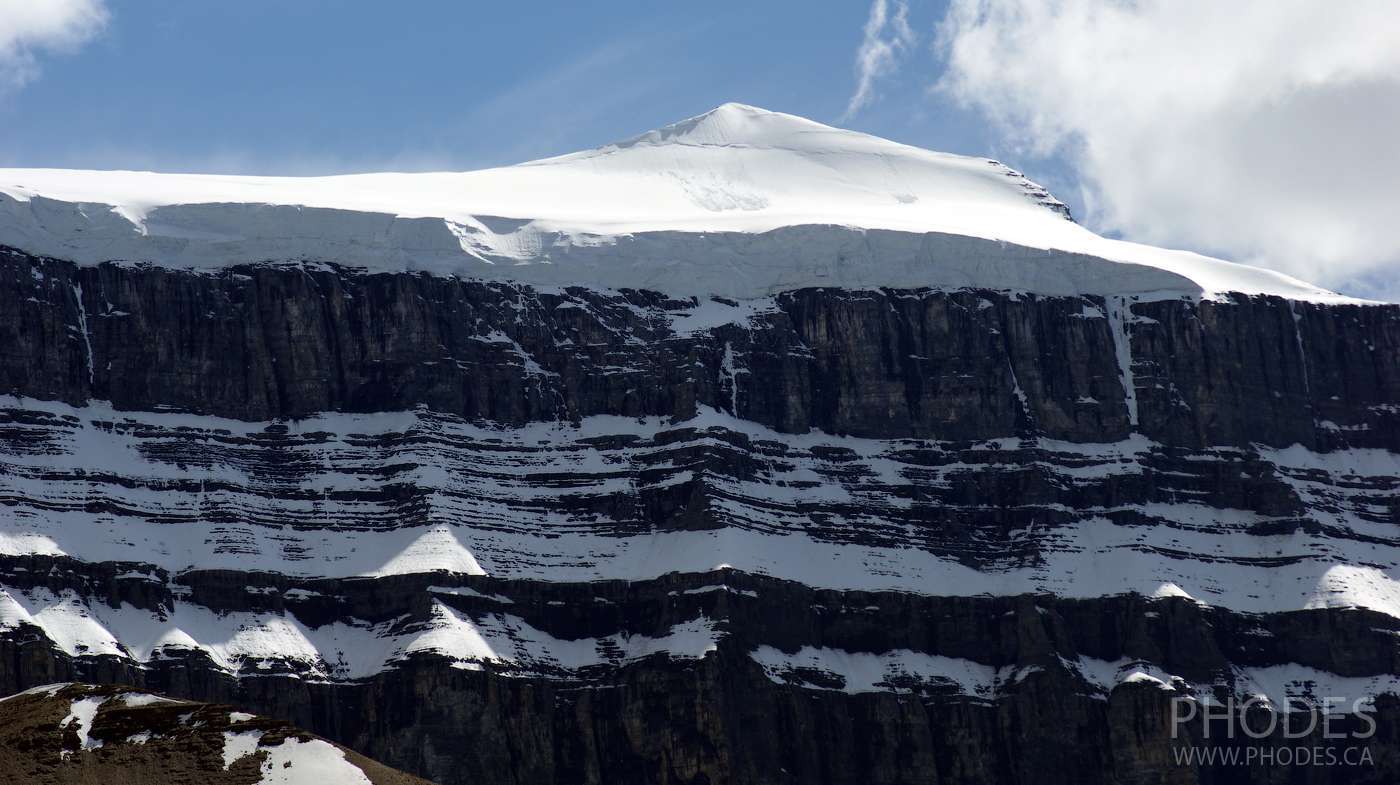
[172, 742]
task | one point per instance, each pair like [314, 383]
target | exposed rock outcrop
[83, 733]
[485, 532]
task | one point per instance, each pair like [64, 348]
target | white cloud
[1262, 129]
[886, 36]
[28, 27]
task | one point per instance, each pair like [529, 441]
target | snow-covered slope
[738, 201]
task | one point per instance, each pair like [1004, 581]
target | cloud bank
[1261, 129]
[887, 35]
[28, 27]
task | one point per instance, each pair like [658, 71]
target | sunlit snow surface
[739, 201]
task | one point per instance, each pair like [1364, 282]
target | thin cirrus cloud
[887, 36]
[1259, 129]
[29, 27]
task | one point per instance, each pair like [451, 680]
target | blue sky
[1257, 130]
[317, 86]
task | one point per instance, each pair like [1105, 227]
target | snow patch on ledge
[253, 642]
[487, 517]
[900, 670]
[1285, 687]
[81, 714]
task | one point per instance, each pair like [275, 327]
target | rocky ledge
[487, 532]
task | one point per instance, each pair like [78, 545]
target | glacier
[739, 202]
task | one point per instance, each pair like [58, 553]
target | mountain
[738, 202]
[703, 457]
[81, 733]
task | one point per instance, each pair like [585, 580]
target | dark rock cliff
[265, 342]
[1242, 449]
[721, 719]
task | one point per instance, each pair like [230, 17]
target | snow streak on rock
[1120, 321]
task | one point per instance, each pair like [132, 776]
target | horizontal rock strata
[485, 532]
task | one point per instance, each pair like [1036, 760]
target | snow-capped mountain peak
[733, 124]
[737, 156]
[738, 201]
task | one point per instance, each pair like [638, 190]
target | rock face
[485, 532]
[261, 342]
[80, 733]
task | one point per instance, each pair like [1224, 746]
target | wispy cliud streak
[1259, 130]
[887, 34]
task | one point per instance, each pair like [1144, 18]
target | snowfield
[739, 202]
